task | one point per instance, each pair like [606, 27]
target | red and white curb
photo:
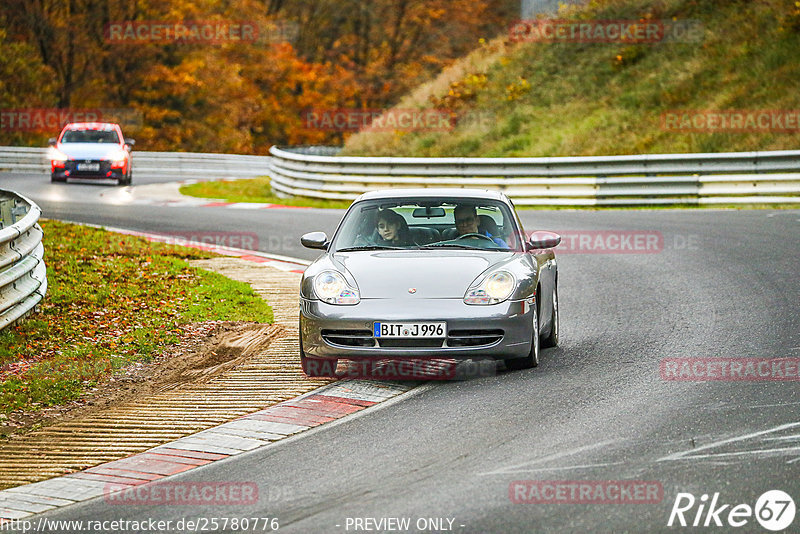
[200, 203]
[253, 431]
[163, 195]
[168, 195]
[282, 263]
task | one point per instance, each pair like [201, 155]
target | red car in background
[91, 150]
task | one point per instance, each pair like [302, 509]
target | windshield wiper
[370, 247]
[451, 245]
[458, 245]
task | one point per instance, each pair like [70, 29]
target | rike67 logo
[774, 510]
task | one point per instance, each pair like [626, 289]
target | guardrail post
[7, 212]
[18, 212]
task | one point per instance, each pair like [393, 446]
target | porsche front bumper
[500, 331]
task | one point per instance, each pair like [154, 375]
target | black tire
[552, 339]
[55, 180]
[126, 180]
[532, 359]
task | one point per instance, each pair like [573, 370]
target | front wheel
[532, 359]
[552, 339]
[126, 180]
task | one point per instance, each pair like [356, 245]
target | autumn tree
[234, 96]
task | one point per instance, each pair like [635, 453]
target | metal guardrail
[23, 276]
[658, 179]
[177, 165]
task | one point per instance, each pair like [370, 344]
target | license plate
[436, 329]
[88, 166]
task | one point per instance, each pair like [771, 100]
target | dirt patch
[204, 351]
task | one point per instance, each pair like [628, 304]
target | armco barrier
[148, 165]
[654, 179]
[658, 179]
[23, 277]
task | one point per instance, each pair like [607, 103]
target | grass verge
[112, 300]
[253, 190]
[585, 99]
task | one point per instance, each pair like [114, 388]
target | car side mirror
[543, 239]
[130, 142]
[315, 240]
[51, 141]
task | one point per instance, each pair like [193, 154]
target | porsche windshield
[428, 224]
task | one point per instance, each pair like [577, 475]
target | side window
[499, 223]
[491, 220]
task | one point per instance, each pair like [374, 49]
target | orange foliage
[235, 96]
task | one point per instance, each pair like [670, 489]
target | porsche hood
[418, 275]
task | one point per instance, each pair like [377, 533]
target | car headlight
[118, 157]
[331, 287]
[494, 289]
[56, 155]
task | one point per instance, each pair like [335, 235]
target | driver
[466, 217]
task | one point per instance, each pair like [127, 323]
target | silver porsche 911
[429, 273]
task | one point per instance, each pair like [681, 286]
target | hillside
[552, 99]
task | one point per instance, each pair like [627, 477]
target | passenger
[392, 229]
[466, 217]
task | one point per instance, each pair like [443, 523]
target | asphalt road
[724, 285]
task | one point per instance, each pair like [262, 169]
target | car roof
[91, 126]
[435, 192]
